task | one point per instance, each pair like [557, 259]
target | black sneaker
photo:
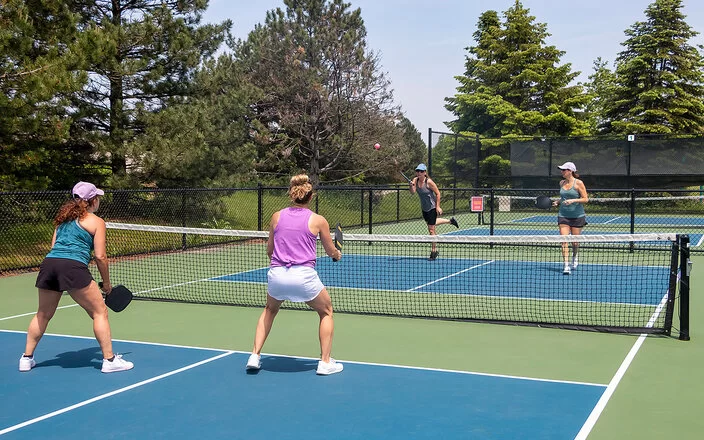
[454, 222]
[433, 255]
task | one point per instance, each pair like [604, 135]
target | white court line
[112, 393]
[609, 221]
[32, 313]
[450, 276]
[408, 367]
[611, 388]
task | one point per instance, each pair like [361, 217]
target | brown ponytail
[71, 210]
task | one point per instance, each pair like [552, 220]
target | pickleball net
[621, 283]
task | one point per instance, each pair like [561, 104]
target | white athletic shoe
[26, 363]
[328, 368]
[566, 270]
[575, 262]
[117, 364]
[254, 362]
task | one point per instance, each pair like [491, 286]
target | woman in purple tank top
[293, 232]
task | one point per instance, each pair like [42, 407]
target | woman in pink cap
[571, 218]
[65, 268]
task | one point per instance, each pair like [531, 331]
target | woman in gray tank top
[429, 195]
[571, 218]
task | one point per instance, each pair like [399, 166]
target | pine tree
[325, 101]
[659, 76]
[142, 60]
[40, 50]
[600, 89]
[513, 84]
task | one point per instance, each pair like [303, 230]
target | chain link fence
[638, 161]
[26, 217]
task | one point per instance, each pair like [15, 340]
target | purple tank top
[294, 244]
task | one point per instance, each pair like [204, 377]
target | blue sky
[422, 43]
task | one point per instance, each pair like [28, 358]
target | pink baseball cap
[86, 191]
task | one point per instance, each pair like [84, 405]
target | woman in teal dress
[571, 218]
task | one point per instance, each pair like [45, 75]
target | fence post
[260, 213]
[491, 211]
[361, 207]
[371, 207]
[183, 219]
[479, 159]
[398, 203]
[430, 151]
[633, 210]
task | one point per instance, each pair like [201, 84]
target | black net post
[685, 269]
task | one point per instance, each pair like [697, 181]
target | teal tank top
[573, 210]
[72, 242]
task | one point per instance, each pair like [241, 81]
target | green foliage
[600, 88]
[659, 79]
[201, 141]
[513, 83]
[40, 50]
[325, 102]
[142, 59]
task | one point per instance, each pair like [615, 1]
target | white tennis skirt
[295, 283]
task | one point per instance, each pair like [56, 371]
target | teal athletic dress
[573, 214]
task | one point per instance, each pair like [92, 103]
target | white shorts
[295, 283]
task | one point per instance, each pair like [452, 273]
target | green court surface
[656, 395]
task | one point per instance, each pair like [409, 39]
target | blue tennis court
[604, 219]
[695, 239]
[178, 392]
[640, 285]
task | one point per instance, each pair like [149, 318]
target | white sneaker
[26, 363]
[575, 262]
[117, 364]
[566, 270]
[254, 362]
[328, 368]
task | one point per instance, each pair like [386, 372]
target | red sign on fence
[477, 204]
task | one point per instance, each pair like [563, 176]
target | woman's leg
[92, 302]
[565, 230]
[48, 301]
[323, 305]
[575, 247]
[431, 231]
[265, 322]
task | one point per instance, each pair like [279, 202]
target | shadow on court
[88, 357]
[286, 365]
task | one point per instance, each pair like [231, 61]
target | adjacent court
[592, 282]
